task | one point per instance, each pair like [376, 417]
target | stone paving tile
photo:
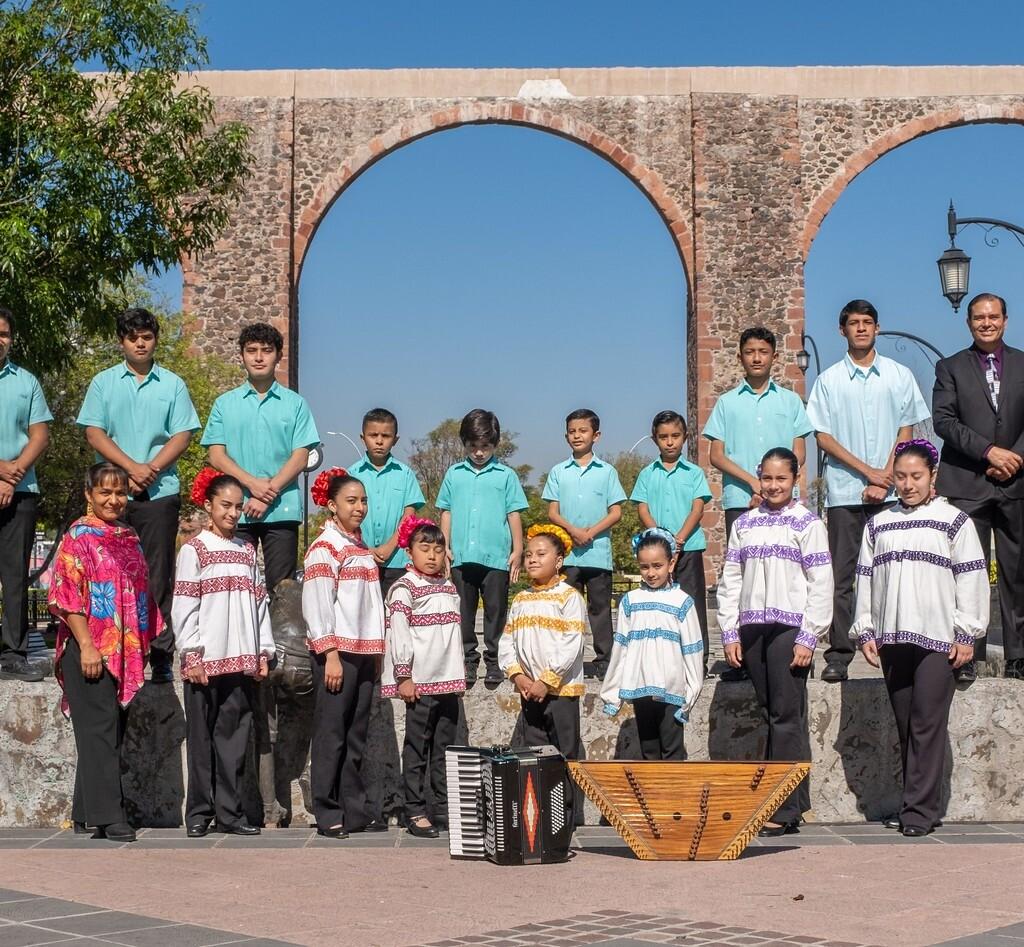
[1011, 930]
[177, 935]
[39, 908]
[101, 922]
[16, 935]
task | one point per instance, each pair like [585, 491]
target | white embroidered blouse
[424, 636]
[777, 571]
[657, 651]
[341, 600]
[219, 610]
[922, 578]
[544, 638]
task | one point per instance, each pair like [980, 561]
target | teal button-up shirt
[750, 425]
[22, 403]
[480, 500]
[140, 418]
[260, 434]
[584, 496]
[389, 491]
[863, 409]
[669, 495]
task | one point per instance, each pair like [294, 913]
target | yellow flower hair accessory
[540, 529]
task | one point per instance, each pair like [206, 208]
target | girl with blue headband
[657, 660]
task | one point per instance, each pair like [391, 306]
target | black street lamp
[955, 265]
[316, 458]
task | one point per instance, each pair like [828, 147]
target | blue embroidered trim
[679, 612]
[666, 634]
[659, 693]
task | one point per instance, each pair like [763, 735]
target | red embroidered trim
[191, 659]
[441, 618]
[319, 570]
[245, 664]
[355, 645]
[244, 556]
[400, 607]
[189, 589]
[227, 583]
[357, 573]
[426, 690]
[423, 591]
[403, 670]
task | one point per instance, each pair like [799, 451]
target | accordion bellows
[510, 805]
[687, 811]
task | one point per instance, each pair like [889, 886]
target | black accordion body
[510, 805]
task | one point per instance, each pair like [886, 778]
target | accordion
[510, 805]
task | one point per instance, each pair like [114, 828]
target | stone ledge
[853, 739]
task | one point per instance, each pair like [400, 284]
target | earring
[88, 508]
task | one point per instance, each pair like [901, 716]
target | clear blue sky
[518, 271]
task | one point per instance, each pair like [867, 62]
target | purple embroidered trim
[863, 570]
[770, 551]
[974, 565]
[733, 555]
[771, 616]
[962, 637]
[817, 559]
[732, 636]
[954, 527]
[755, 518]
[907, 637]
[950, 529]
[808, 639]
[912, 555]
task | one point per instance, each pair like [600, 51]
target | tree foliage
[102, 173]
[61, 468]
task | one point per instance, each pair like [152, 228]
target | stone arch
[650, 183]
[974, 113]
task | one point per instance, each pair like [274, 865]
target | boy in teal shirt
[261, 433]
[480, 501]
[392, 493]
[139, 415]
[585, 499]
[671, 493]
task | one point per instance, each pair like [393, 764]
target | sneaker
[19, 669]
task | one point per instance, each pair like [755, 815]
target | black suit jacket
[964, 418]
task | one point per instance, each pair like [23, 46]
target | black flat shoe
[915, 831]
[427, 831]
[116, 832]
[776, 831]
[376, 825]
[337, 832]
[198, 829]
[243, 828]
[835, 673]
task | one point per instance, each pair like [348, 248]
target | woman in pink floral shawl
[99, 592]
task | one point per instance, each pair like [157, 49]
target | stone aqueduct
[742, 164]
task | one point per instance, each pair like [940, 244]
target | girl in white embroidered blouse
[774, 605]
[922, 601]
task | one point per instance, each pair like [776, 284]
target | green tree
[61, 468]
[629, 466]
[436, 451]
[102, 173]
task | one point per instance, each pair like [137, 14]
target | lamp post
[803, 362]
[313, 462]
[955, 265]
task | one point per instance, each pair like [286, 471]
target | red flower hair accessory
[202, 483]
[323, 481]
[408, 526]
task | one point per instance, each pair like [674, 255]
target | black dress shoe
[835, 673]
[198, 829]
[428, 831]
[966, 673]
[892, 822]
[775, 831]
[375, 825]
[915, 831]
[336, 832]
[494, 677]
[116, 832]
[242, 828]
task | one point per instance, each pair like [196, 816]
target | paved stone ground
[832, 885]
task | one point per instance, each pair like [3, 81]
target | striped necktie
[993, 380]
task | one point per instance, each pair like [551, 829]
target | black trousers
[845, 531]
[430, 725]
[596, 585]
[1006, 520]
[473, 582]
[98, 723]
[782, 693]
[920, 685]
[340, 722]
[388, 577]
[554, 720]
[689, 573]
[661, 737]
[731, 515]
[280, 542]
[156, 522]
[17, 534]
[218, 722]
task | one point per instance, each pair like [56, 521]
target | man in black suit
[978, 411]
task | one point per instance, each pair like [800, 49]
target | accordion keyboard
[465, 806]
